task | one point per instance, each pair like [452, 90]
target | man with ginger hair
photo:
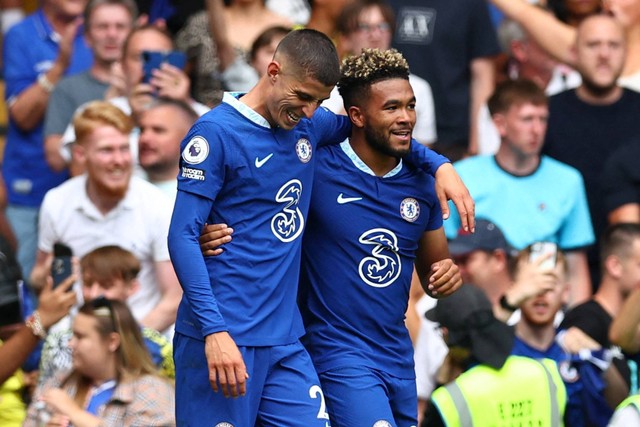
[107, 205]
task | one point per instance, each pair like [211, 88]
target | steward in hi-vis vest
[524, 392]
[495, 389]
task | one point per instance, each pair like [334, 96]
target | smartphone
[153, 59]
[61, 267]
[540, 249]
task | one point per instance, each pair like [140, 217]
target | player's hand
[449, 186]
[445, 278]
[227, 370]
[212, 237]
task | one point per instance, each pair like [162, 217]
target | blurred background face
[66, 8]
[600, 53]
[538, 58]
[523, 128]
[264, 55]
[132, 61]
[90, 351]
[373, 31]
[541, 310]
[475, 268]
[630, 269]
[115, 288]
[108, 28]
[161, 131]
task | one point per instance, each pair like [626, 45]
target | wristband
[505, 304]
[34, 323]
[45, 83]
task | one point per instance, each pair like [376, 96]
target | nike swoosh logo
[342, 200]
[260, 163]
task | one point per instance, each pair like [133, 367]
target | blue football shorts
[282, 390]
[361, 396]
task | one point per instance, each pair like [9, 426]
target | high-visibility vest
[525, 392]
[634, 400]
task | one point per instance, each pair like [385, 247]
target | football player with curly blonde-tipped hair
[372, 216]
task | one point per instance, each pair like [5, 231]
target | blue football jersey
[358, 251]
[258, 180]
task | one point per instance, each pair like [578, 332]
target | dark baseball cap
[488, 237]
[468, 316]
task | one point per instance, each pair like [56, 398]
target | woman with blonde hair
[113, 381]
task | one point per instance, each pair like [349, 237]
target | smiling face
[106, 154]
[388, 116]
[291, 98]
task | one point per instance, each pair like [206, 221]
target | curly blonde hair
[359, 72]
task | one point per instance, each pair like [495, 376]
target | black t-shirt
[439, 39]
[584, 136]
[621, 177]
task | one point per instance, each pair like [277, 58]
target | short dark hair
[359, 72]
[178, 104]
[130, 5]
[513, 92]
[311, 53]
[265, 38]
[347, 21]
[618, 240]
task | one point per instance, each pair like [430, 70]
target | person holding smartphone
[130, 93]
[53, 305]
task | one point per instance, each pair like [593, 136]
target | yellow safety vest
[526, 392]
[634, 400]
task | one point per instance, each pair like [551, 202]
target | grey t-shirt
[69, 94]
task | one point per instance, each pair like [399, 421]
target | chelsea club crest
[409, 209]
[303, 150]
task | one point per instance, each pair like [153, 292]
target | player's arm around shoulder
[438, 274]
